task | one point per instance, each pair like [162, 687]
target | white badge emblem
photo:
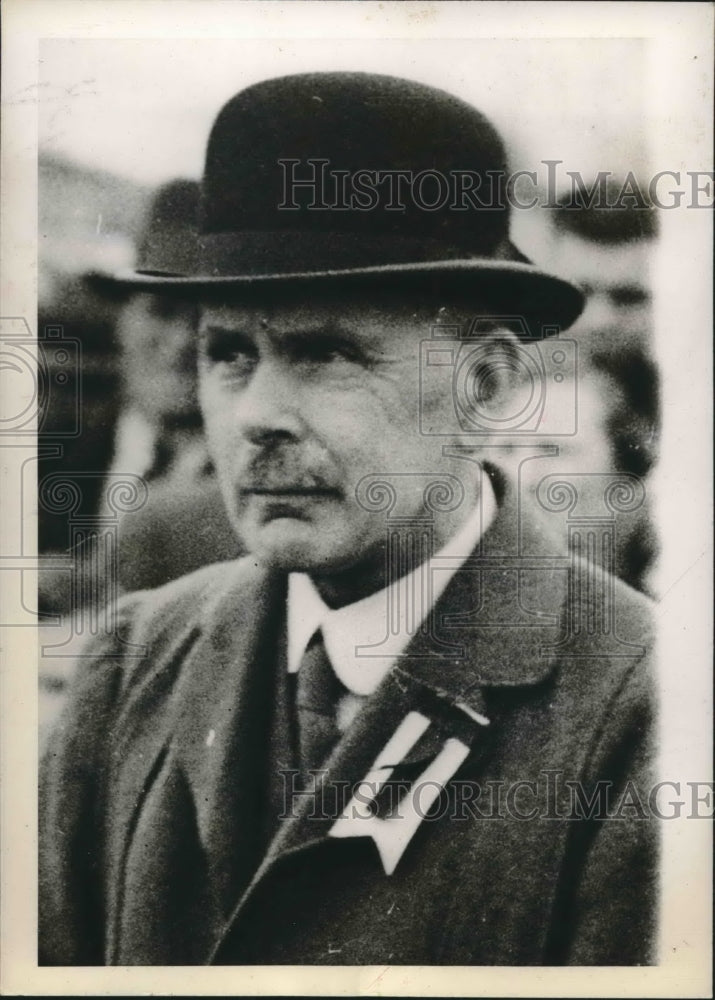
[392, 835]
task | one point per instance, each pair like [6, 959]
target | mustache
[287, 471]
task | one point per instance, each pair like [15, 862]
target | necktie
[317, 696]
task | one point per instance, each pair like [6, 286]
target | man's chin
[285, 545]
[294, 546]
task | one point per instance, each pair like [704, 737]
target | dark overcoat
[175, 829]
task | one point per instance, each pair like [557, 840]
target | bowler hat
[355, 177]
[166, 241]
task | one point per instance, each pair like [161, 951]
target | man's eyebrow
[299, 337]
[330, 328]
[219, 329]
[314, 328]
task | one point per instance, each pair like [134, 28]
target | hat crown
[169, 230]
[286, 155]
[325, 178]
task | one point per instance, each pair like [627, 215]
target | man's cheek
[436, 414]
[213, 439]
[225, 453]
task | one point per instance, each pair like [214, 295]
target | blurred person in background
[79, 402]
[607, 251]
[632, 422]
[616, 414]
[159, 436]
[139, 417]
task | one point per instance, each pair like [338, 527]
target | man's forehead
[369, 309]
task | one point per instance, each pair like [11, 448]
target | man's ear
[502, 372]
[491, 377]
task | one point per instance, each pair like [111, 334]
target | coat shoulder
[166, 618]
[636, 612]
[608, 602]
[606, 666]
[150, 627]
[189, 597]
[195, 589]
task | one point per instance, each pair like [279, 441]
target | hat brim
[510, 289]
[110, 287]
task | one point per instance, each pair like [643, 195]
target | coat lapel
[498, 622]
[211, 699]
[226, 732]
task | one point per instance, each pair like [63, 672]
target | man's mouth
[288, 491]
[284, 477]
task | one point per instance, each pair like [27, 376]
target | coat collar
[495, 625]
[502, 612]
[363, 622]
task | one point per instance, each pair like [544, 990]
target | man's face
[616, 280]
[158, 339]
[301, 400]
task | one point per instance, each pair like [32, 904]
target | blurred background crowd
[136, 384]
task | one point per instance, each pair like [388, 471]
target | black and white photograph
[357, 597]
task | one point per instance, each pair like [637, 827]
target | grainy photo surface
[350, 553]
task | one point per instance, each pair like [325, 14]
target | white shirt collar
[348, 630]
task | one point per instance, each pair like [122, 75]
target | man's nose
[599, 313]
[267, 410]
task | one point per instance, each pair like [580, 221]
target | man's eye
[229, 348]
[166, 308]
[629, 295]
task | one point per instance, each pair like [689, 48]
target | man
[384, 735]
[607, 247]
[159, 435]
[613, 398]
[633, 424]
